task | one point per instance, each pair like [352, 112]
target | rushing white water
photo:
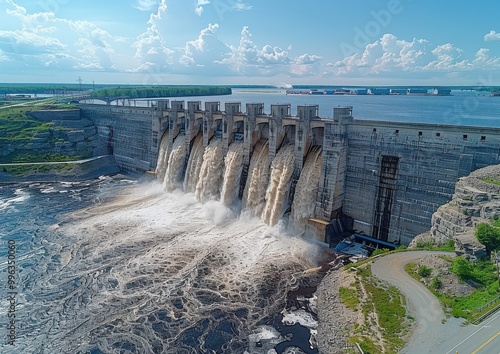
[233, 165]
[194, 165]
[150, 272]
[161, 165]
[175, 165]
[209, 181]
[306, 190]
[277, 192]
[254, 196]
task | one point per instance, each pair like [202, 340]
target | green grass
[491, 180]
[366, 344]
[431, 246]
[389, 305]
[16, 124]
[27, 157]
[27, 170]
[349, 297]
[467, 307]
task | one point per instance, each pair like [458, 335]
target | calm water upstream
[468, 108]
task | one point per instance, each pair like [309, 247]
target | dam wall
[389, 177]
[130, 134]
[398, 174]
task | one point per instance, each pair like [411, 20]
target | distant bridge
[120, 100]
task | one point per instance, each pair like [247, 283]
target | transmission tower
[80, 82]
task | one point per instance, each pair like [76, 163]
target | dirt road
[422, 305]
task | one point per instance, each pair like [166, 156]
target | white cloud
[247, 58]
[484, 61]
[448, 58]
[45, 39]
[28, 43]
[492, 36]
[145, 5]
[241, 6]
[3, 57]
[305, 65]
[307, 59]
[200, 45]
[150, 46]
[392, 56]
[199, 6]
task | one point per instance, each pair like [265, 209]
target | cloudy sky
[355, 42]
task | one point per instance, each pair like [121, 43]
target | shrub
[489, 236]
[424, 271]
[436, 283]
[380, 251]
[462, 268]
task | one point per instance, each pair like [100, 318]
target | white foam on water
[149, 260]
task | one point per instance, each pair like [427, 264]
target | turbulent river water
[117, 266]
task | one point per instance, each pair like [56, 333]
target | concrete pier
[388, 176]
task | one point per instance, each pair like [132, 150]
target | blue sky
[277, 42]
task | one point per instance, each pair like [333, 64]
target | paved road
[481, 339]
[53, 163]
[431, 335]
[33, 102]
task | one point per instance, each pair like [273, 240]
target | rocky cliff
[476, 200]
[65, 132]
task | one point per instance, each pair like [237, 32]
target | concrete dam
[388, 178]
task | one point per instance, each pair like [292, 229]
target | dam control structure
[387, 177]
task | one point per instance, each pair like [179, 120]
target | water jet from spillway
[209, 181]
[194, 165]
[306, 191]
[175, 165]
[161, 166]
[233, 163]
[281, 173]
[254, 195]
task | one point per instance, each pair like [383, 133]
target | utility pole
[80, 82]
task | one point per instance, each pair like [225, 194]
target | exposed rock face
[335, 319]
[476, 200]
[70, 134]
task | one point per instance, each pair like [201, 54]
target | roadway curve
[422, 304]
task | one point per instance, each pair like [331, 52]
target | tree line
[41, 88]
[160, 91]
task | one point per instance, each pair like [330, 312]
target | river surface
[117, 266]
